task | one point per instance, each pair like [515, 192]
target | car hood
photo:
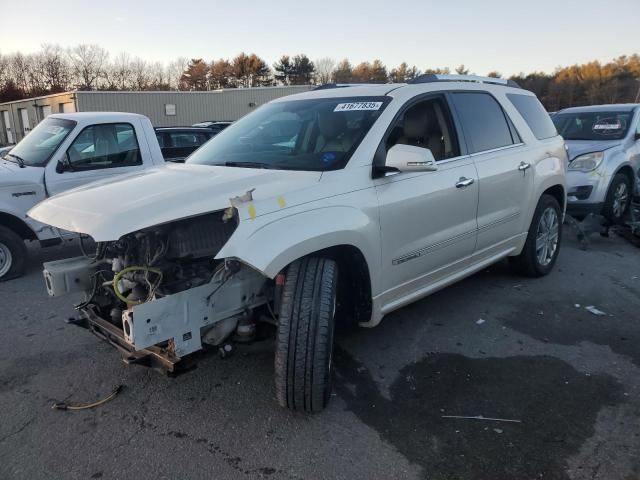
[11, 175]
[109, 209]
[578, 147]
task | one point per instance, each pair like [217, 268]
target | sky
[510, 36]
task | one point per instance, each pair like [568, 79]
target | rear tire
[618, 199]
[305, 335]
[13, 254]
[542, 246]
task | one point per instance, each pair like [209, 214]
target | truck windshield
[593, 125]
[38, 146]
[318, 134]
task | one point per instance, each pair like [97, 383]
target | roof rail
[327, 86]
[433, 77]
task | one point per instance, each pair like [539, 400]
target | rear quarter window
[534, 115]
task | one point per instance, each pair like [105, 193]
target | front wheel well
[18, 226]
[354, 282]
[628, 171]
[557, 192]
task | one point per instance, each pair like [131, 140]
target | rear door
[504, 168]
[98, 151]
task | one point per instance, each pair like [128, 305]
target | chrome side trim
[450, 241]
[433, 247]
[500, 221]
[506, 147]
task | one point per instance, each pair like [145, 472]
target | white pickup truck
[65, 151]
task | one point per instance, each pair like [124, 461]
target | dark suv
[177, 143]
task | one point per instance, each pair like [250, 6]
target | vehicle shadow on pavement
[556, 404]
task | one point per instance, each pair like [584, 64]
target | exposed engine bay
[161, 290]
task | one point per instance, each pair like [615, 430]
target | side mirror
[64, 165]
[407, 158]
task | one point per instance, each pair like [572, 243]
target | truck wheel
[13, 254]
[618, 198]
[541, 248]
[305, 335]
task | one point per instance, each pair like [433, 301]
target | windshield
[318, 134]
[593, 125]
[38, 146]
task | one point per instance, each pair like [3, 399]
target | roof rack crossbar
[433, 77]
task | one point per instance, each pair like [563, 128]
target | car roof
[617, 107]
[434, 83]
[98, 115]
[197, 129]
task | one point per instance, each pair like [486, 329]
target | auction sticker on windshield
[357, 106]
[606, 125]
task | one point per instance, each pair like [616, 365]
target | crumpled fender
[270, 243]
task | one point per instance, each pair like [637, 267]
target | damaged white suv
[339, 204]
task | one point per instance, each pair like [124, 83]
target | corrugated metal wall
[190, 107]
[24, 115]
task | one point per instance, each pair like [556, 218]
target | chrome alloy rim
[547, 236]
[5, 259]
[620, 197]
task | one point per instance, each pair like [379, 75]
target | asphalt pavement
[560, 384]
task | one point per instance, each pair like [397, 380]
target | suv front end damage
[158, 294]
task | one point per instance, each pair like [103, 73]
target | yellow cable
[119, 275]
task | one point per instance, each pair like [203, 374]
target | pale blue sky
[506, 35]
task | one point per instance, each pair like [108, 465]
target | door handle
[464, 182]
[524, 166]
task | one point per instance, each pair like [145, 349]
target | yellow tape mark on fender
[252, 211]
[281, 202]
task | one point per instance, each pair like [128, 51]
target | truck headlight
[587, 162]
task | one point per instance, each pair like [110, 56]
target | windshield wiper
[19, 159]
[247, 164]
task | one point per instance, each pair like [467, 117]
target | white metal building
[165, 109]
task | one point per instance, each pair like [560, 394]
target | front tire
[618, 199]
[304, 347]
[13, 254]
[541, 248]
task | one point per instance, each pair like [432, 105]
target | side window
[187, 139]
[426, 124]
[104, 146]
[160, 138]
[483, 121]
[530, 108]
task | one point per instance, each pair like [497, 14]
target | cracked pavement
[572, 379]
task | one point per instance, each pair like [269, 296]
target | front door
[99, 151]
[7, 126]
[428, 219]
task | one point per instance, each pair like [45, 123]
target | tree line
[55, 69]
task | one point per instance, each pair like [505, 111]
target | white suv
[343, 203]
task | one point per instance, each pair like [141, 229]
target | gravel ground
[570, 378]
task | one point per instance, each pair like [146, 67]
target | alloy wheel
[6, 259]
[547, 236]
[620, 197]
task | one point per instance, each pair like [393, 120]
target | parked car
[381, 196]
[65, 151]
[603, 142]
[177, 143]
[216, 126]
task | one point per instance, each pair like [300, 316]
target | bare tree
[121, 71]
[324, 69]
[54, 68]
[88, 63]
[175, 71]
[140, 74]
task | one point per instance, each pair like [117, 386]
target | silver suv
[603, 142]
